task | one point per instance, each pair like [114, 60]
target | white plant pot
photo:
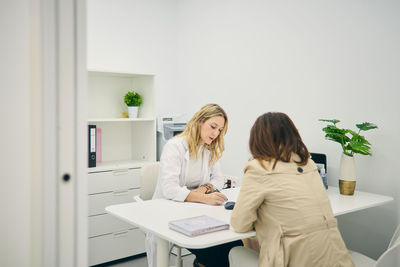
[347, 175]
[133, 112]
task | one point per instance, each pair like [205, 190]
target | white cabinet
[115, 246]
[109, 238]
[126, 145]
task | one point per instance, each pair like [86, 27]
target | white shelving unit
[126, 145]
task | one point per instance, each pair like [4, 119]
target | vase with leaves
[352, 142]
[133, 100]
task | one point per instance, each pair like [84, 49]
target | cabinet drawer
[106, 224]
[98, 202]
[115, 246]
[99, 182]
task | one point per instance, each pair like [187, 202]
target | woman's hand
[200, 189]
[215, 198]
[205, 189]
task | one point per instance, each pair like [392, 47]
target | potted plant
[133, 100]
[352, 142]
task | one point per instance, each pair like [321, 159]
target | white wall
[309, 59]
[14, 136]
[135, 36]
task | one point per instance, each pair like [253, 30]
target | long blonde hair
[192, 132]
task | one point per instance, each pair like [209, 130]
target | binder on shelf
[92, 145]
[98, 145]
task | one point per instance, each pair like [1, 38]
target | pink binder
[98, 145]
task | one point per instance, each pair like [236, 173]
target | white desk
[342, 204]
[154, 215]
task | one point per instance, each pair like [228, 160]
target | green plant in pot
[133, 100]
[352, 142]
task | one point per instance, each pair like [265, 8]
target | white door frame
[63, 61]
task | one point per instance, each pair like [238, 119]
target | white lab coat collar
[205, 165]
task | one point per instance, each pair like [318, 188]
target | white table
[154, 215]
[342, 204]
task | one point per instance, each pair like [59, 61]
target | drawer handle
[120, 172]
[120, 193]
[121, 234]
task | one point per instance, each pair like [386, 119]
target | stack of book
[198, 225]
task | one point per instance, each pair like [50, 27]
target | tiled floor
[142, 262]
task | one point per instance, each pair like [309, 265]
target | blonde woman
[190, 172]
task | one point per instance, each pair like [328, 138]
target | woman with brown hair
[283, 198]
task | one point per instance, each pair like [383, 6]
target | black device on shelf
[320, 159]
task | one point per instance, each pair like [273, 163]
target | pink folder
[98, 145]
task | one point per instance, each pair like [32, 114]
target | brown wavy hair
[274, 137]
[193, 130]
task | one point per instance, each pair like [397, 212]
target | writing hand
[215, 198]
[200, 189]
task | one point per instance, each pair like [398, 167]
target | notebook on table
[198, 225]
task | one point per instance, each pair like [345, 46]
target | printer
[168, 127]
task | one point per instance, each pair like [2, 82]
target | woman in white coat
[189, 171]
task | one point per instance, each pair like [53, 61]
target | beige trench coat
[291, 213]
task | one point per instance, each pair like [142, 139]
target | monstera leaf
[351, 142]
[365, 126]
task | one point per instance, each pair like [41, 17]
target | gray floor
[142, 262]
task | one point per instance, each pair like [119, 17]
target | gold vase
[347, 175]
[347, 187]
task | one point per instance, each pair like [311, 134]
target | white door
[42, 137]
[64, 82]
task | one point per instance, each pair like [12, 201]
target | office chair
[389, 258]
[148, 183]
[242, 256]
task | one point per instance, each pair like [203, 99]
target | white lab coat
[171, 184]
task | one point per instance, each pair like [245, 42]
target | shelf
[117, 73]
[120, 119]
[117, 165]
[126, 144]
[106, 91]
[122, 139]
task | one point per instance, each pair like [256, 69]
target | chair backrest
[396, 237]
[148, 180]
[389, 258]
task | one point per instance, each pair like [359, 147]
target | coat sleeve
[216, 177]
[170, 171]
[251, 196]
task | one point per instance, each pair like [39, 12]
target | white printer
[168, 127]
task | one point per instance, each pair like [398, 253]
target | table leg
[179, 258]
[162, 252]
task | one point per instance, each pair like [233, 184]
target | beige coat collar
[283, 167]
